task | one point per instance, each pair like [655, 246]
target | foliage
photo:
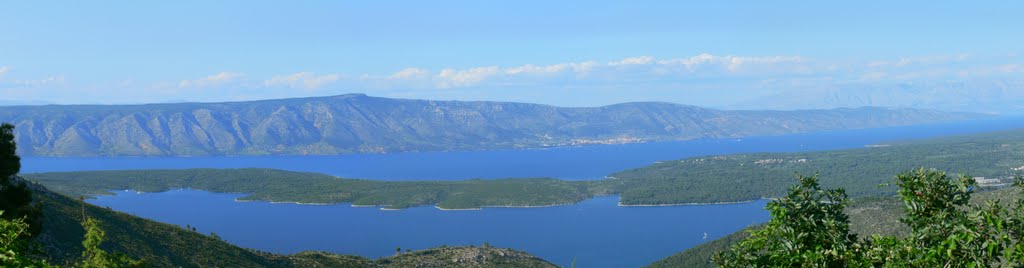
[15, 197]
[94, 257]
[809, 229]
[10, 162]
[868, 216]
[14, 247]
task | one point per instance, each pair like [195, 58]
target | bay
[596, 232]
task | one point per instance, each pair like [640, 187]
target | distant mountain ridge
[356, 123]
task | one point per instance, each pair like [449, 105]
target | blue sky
[578, 53]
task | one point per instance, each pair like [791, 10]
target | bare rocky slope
[357, 123]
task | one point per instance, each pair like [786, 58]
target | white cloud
[302, 80]
[642, 60]
[711, 76]
[212, 80]
[534, 69]
[410, 73]
[708, 62]
[919, 61]
[636, 68]
[470, 77]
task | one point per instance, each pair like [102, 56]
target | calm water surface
[597, 232]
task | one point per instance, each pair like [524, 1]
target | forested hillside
[741, 177]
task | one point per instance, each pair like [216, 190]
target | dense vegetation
[467, 257]
[809, 228]
[287, 186]
[765, 175]
[883, 219]
[358, 123]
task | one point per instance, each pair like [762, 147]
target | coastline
[620, 204]
[386, 208]
[456, 209]
[535, 206]
[301, 203]
[692, 204]
[509, 206]
[286, 202]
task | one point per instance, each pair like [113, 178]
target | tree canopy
[15, 197]
[809, 229]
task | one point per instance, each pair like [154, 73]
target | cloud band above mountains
[703, 79]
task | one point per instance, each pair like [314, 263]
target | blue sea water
[596, 232]
[571, 163]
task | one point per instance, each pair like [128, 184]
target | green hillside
[741, 177]
[303, 187]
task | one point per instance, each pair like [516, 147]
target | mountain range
[356, 123]
[985, 96]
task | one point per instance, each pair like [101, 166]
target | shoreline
[301, 203]
[457, 209]
[501, 206]
[535, 206]
[286, 202]
[692, 204]
[386, 208]
[620, 204]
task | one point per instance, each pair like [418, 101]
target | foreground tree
[14, 246]
[15, 196]
[809, 229]
[94, 257]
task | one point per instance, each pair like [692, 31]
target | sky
[569, 53]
